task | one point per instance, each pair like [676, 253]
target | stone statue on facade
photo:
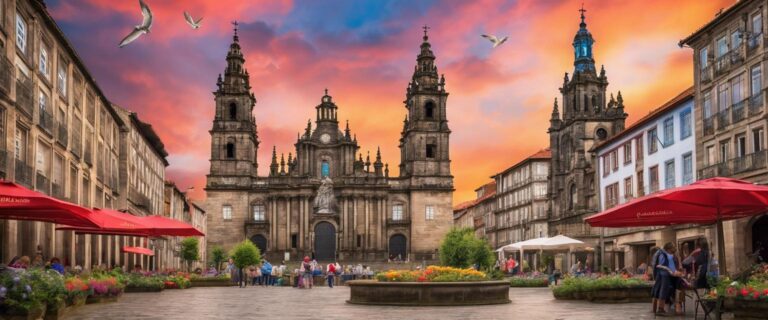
[325, 201]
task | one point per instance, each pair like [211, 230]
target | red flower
[730, 291]
[756, 295]
[765, 292]
[422, 279]
[744, 292]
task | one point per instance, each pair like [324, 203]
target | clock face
[325, 138]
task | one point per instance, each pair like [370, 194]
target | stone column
[367, 227]
[288, 224]
[343, 223]
[354, 223]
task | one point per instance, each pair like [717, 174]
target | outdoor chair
[708, 306]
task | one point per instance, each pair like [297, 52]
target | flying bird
[146, 23]
[496, 41]
[191, 22]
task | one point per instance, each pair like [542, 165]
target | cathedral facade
[326, 199]
[589, 116]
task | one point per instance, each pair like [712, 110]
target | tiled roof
[539, 155]
[671, 104]
[489, 192]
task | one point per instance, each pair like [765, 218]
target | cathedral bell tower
[234, 140]
[424, 140]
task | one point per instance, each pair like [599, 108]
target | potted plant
[17, 299]
[49, 286]
[77, 291]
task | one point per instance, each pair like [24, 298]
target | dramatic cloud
[364, 52]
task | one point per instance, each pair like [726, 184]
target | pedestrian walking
[266, 273]
[306, 272]
[330, 274]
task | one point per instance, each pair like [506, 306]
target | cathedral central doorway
[325, 242]
[260, 242]
[397, 247]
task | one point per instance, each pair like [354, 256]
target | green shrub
[140, 281]
[218, 256]
[519, 282]
[573, 285]
[462, 249]
[245, 254]
[190, 251]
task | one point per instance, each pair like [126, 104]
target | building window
[21, 33]
[741, 145]
[615, 160]
[722, 97]
[669, 132]
[687, 168]
[429, 212]
[44, 62]
[573, 197]
[736, 96]
[736, 39]
[294, 241]
[628, 152]
[703, 58]
[707, 105]
[628, 188]
[685, 124]
[652, 141]
[669, 174]
[230, 150]
[639, 148]
[431, 151]
[43, 103]
[757, 25]
[653, 175]
[20, 144]
[757, 140]
[640, 184]
[232, 111]
[601, 134]
[397, 212]
[62, 77]
[325, 169]
[757, 80]
[226, 212]
[429, 110]
[259, 212]
[611, 195]
[606, 164]
[722, 46]
[725, 148]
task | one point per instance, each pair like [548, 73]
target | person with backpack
[306, 273]
[665, 272]
[266, 273]
[330, 274]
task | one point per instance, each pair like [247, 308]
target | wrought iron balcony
[722, 63]
[750, 162]
[46, 121]
[398, 222]
[756, 103]
[42, 183]
[737, 55]
[139, 199]
[254, 222]
[738, 111]
[709, 126]
[6, 75]
[723, 119]
[753, 42]
[23, 173]
[24, 99]
[62, 134]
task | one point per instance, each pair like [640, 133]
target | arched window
[233, 111]
[325, 169]
[595, 104]
[429, 110]
[230, 150]
[586, 103]
[573, 197]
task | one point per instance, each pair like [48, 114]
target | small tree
[218, 256]
[190, 251]
[462, 249]
[245, 254]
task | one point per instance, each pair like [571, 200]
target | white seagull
[146, 23]
[191, 22]
[496, 41]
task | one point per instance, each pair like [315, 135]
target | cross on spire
[326, 91]
[235, 24]
[582, 10]
[426, 28]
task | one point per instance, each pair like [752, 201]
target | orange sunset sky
[364, 52]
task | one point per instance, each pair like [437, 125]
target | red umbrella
[114, 223]
[169, 227]
[703, 202]
[19, 203]
[139, 250]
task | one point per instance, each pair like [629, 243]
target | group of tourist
[309, 270]
[23, 263]
[673, 273]
[263, 274]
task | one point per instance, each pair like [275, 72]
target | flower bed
[528, 282]
[609, 289]
[434, 286]
[104, 289]
[177, 282]
[222, 280]
[746, 299]
[143, 283]
[432, 274]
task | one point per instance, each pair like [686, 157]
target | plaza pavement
[323, 303]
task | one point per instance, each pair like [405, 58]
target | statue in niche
[325, 201]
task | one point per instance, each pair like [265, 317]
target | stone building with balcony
[656, 152]
[476, 213]
[520, 211]
[327, 199]
[730, 110]
[58, 135]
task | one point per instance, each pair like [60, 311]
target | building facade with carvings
[730, 112]
[327, 198]
[589, 115]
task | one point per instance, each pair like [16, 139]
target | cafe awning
[160, 225]
[20, 203]
[113, 223]
[139, 250]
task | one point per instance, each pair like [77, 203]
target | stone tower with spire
[328, 198]
[585, 116]
[234, 140]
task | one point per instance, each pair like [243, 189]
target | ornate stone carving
[325, 200]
